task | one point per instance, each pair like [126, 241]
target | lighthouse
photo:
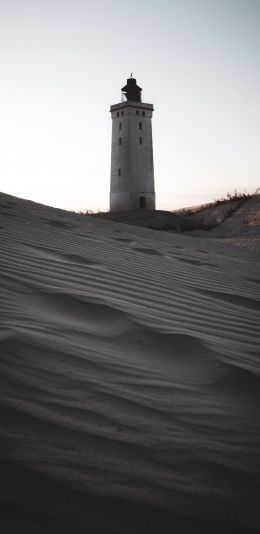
[132, 171]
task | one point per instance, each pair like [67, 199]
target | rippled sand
[129, 378]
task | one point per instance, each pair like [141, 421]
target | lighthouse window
[143, 113]
[140, 140]
[119, 172]
[120, 126]
[137, 112]
[140, 126]
[117, 114]
[120, 140]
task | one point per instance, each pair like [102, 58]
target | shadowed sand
[129, 377]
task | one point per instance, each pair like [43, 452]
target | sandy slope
[239, 218]
[129, 377]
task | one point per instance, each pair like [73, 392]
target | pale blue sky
[63, 62]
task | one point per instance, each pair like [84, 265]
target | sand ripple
[129, 376]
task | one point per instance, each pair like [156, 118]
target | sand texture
[129, 377]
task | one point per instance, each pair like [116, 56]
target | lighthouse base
[124, 201]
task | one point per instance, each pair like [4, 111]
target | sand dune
[129, 376]
[238, 217]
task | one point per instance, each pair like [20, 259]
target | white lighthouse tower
[132, 174]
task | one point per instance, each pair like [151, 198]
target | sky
[63, 63]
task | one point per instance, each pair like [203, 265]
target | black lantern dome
[132, 91]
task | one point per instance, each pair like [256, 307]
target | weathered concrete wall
[132, 172]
